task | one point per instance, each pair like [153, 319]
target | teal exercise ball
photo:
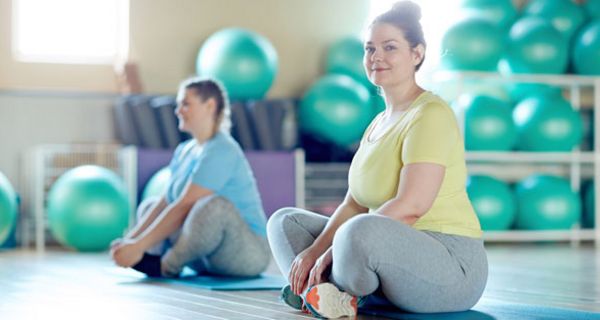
[8, 207]
[592, 9]
[88, 207]
[534, 46]
[501, 13]
[586, 49]
[158, 183]
[547, 123]
[345, 56]
[493, 202]
[546, 202]
[244, 61]
[472, 44]
[337, 109]
[565, 15]
[589, 204]
[488, 123]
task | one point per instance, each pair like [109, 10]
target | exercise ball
[546, 202]
[565, 15]
[488, 123]
[534, 46]
[592, 9]
[244, 61]
[586, 49]
[501, 13]
[547, 123]
[493, 202]
[88, 207]
[378, 103]
[337, 109]
[589, 204]
[451, 90]
[345, 56]
[472, 44]
[521, 90]
[8, 208]
[158, 183]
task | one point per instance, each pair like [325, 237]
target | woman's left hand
[127, 253]
[320, 271]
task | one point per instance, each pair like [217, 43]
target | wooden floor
[66, 285]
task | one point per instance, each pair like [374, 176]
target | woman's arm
[418, 187]
[147, 219]
[128, 252]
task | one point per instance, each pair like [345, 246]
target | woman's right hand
[300, 269]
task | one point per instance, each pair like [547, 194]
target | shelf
[574, 235]
[568, 80]
[537, 157]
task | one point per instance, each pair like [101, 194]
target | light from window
[71, 31]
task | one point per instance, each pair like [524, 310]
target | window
[71, 31]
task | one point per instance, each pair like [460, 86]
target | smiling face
[194, 114]
[389, 59]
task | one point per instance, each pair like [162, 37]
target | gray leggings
[417, 271]
[213, 238]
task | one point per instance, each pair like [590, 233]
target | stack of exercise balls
[8, 208]
[537, 202]
[87, 208]
[547, 36]
[243, 60]
[338, 107]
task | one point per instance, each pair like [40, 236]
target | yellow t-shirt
[426, 132]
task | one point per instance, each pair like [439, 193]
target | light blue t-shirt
[220, 166]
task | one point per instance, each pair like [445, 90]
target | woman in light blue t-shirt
[211, 217]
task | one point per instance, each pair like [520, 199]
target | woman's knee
[207, 210]
[277, 219]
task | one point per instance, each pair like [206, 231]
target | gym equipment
[472, 44]
[336, 108]
[502, 13]
[244, 61]
[586, 50]
[546, 202]
[493, 202]
[547, 123]
[345, 56]
[565, 15]
[88, 207]
[8, 208]
[158, 183]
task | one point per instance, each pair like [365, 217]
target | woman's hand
[301, 266]
[322, 268]
[126, 252]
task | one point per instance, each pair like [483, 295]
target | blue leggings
[417, 271]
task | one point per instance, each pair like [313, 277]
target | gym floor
[66, 285]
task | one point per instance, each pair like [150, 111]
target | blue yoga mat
[262, 282]
[490, 310]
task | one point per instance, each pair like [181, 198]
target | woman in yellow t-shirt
[406, 233]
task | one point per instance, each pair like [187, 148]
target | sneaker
[325, 300]
[291, 299]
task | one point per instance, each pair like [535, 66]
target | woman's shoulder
[224, 142]
[430, 103]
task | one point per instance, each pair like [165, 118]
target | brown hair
[207, 88]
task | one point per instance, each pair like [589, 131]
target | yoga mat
[262, 282]
[489, 310]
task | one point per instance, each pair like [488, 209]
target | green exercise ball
[244, 61]
[378, 103]
[521, 90]
[534, 46]
[565, 15]
[336, 108]
[547, 123]
[488, 123]
[589, 203]
[493, 202]
[158, 183]
[8, 208]
[472, 44]
[451, 90]
[345, 56]
[502, 13]
[546, 203]
[592, 9]
[88, 207]
[586, 49]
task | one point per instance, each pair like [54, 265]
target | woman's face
[389, 60]
[194, 114]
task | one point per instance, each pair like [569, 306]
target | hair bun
[407, 9]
